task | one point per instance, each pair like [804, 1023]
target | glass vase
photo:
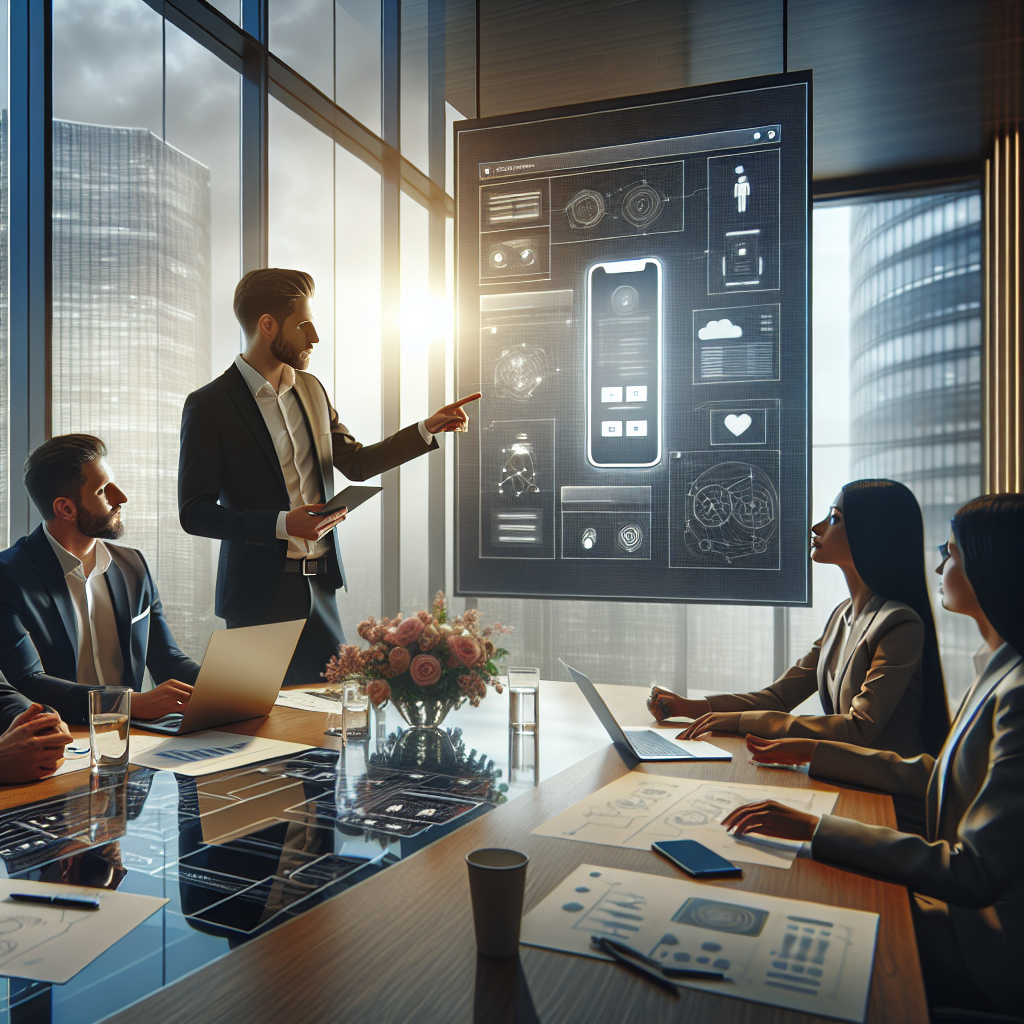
[424, 744]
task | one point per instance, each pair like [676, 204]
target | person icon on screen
[741, 190]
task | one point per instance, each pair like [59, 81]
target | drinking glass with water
[109, 716]
[523, 699]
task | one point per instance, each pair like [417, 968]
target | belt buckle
[306, 562]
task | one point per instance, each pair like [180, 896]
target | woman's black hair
[886, 535]
[989, 532]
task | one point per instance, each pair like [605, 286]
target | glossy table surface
[344, 939]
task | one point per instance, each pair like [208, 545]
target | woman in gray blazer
[967, 872]
[876, 666]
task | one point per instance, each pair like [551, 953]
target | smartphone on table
[696, 859]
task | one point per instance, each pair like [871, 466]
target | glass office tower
[915, 368]
[131, 333]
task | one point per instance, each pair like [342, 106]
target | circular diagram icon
[498, 257]
[586, 209]
[630, 537]
[641, 204]
[731, 513]
[726, 917]
[526, 256]
[712, 505]
[624, 299]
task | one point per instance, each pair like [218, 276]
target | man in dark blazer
[77, 612]
[259, 446]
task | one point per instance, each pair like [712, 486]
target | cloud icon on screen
[715, 329]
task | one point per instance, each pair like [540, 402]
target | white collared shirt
[282, 413]
[100, 662]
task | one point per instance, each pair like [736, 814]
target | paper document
[801, 956]
[317, 698]
[203, 753]
[74, 760]
[639, 809]
[44, 943]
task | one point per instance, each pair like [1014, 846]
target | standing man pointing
[258, 446]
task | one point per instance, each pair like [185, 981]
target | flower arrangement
[427, 657]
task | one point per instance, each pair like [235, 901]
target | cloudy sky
[109, 68]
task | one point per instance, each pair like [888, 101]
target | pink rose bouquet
[429, 656]
[425, 670]
[378, 691]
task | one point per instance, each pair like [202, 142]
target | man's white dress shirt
[283, 415]
[100, 662]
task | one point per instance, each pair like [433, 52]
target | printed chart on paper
[640, 809]
[788, 953]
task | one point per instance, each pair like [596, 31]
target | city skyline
[131, 334]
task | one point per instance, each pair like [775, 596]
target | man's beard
[280, 349]
[100, 527]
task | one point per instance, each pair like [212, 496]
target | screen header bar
[681, 145]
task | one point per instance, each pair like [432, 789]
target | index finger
[465, 401]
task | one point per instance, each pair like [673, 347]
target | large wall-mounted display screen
[632, 295]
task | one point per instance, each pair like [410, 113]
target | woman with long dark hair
[967, 871]
[876, 666]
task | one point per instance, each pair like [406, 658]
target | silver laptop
[645, 744]
[240, 678]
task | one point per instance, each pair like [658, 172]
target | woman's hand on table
[786, 751]
[713, 721]
[770, 818]
[664, 704]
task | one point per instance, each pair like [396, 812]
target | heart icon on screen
[737, 424]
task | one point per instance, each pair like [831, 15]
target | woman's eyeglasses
[944, 552]
[834, 518]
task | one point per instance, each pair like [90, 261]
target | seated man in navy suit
[77, 612]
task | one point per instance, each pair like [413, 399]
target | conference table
[396, 943]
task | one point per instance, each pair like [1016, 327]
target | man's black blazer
[230, 484]
[39, 634]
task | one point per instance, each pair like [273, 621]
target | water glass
[336, 714]
[357, 713]
[109, 717]
[523, 699]
[523, 757]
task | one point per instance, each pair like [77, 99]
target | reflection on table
[236, 853]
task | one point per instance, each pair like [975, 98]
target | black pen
[682, 973]
[78, 902]
[634, 965]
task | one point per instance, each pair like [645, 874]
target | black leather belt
[307, 566]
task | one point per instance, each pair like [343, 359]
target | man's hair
[55, 469]
[272, 290]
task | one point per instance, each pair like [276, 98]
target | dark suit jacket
[970, 856]
[39, 635]
[12, 704]
[879, 686]
[230, 484]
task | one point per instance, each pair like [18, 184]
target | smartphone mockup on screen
[624, 363]
[696, 860]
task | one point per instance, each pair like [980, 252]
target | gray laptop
[644, 744]
[240, 678]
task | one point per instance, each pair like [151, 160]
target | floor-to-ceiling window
[146, 255]
[153, 221]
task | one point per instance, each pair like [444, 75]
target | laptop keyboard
[650, 744]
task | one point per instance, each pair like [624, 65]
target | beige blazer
[878, 679]
[972, 855]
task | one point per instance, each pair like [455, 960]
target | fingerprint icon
[630, 537]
